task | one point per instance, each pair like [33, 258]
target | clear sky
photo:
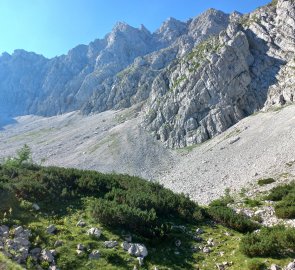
[52, 27]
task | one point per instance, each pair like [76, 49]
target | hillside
[56, 218]
[258, 146]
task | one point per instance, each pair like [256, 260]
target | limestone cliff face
[248, 66]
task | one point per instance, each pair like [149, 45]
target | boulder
[178, 243]
[58, 243]
[94, 255]
[125, 245]
[35, 252]
[36, 207]
[94, 232]
[110, 244]
[81, 223]
[80, 247]
[51, 229]
[290, 266]
[18, 230]
[137, 250]
[46, 255]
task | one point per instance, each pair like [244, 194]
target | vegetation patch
[265, 181]
[226, 216]
[274, 242]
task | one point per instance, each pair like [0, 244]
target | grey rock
[36, 206]
[177, 243]
[290, 266]
[94, 255]
[58, 243]
[206, 250]
[94, 232]
[18, 230]
[137, 250]
[110, 244]
[81, 223]
[36, 252]
[51, 229]
[125, 245]
[199, 231]
[80, 247]
[274, 267]
[46, 255]
[140, 261]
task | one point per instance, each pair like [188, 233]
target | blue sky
[52, 27]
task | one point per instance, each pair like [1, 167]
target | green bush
[229, 218]
[252, 202]
[256, 265]
[277, 193]
[269, 242]
[286, 207]
[266, 181]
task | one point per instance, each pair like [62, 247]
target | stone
[51, 229]
[210, 242]
[290, 266]
[18, 230]
[140, 261]
[79, 252]
[274, 267]
[137, 250]
[80, 247]
[58, 243]
[4, 230]
[46, 255]
[110, 244]
[94, 255]
[177, 243]
[36, 207]
[199, 231]
[94, 232]
[36, 252]
[81, 223]
[125, 245]
[206, 250]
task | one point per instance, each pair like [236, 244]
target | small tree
[24, 155]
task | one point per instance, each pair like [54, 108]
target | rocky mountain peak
[171, 29]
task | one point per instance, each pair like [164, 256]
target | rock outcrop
[225, 78]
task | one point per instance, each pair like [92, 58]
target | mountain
[249, 66]
[197, 78]
[94, 77]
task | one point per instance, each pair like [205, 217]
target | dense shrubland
[270, 242]
[117, 200]
[285, 197]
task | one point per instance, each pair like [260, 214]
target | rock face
[226, 78]
[113, 72]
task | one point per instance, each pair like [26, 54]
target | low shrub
[229, 218]
[269, 242]
[266, 181]
[256, 265]
[277, 193]
[252, 202]
[286, 207]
